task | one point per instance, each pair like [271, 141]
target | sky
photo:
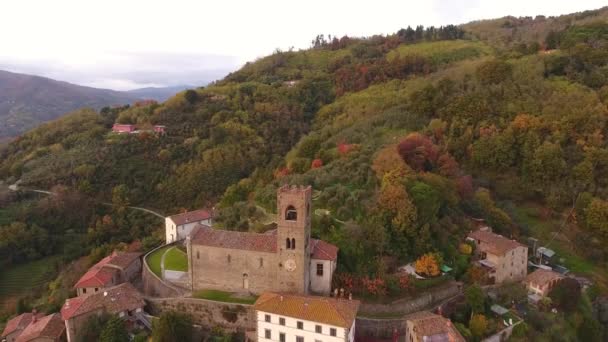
[127, 44]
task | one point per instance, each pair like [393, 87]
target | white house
[178, 227]
[323, 262]
[298, 318]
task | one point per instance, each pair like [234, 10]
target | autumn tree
[478, 325]
[418, 151]
[566, 294]
[427, 265]
[172, 326]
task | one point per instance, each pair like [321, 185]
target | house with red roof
[284, 260]
[180, 226]
[123, 128]
[33, 326]
[122, 300]
[116, 268]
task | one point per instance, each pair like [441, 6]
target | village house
[298, 318]
[30, 327]
[426, 326]
[123, 128]
[122, 300]
[505, 260]
[178, 227]
[116, 268]
[286, 260]
[541, 281]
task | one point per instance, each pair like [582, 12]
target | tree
[114, 331]
[418, 152]
[427, 265]
[191, 96]
[478, 325]
[597, 216]
[494, 72]
[475, 298]
[566, 294]
[172, 326]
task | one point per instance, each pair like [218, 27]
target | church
[282, 260]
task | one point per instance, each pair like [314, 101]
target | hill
[26, 101]
[157, 93]
[403, 137]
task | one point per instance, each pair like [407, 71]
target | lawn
[227, 297]
[154, 260]
[176, 260]
[22, 279]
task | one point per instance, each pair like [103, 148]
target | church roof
[51, 327]
[207, 236]
[336, 312]
[191, 216]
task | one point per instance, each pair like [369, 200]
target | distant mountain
[27, 101]
[159, 94]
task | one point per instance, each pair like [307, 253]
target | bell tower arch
[293, 238]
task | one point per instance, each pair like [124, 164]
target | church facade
[284, 260]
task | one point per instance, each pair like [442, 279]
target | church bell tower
[293, 238]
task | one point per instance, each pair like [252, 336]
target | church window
[293, 243]
[198, 255]
[291, 214]
[287, 243]
[261, 262]
[229, 258]
[320, 269]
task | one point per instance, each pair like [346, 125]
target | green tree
[114, 331]
[172, 326]
[566, 294]
[475, 298]
[478, 326]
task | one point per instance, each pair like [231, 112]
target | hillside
[157, 93]
[403, 137]
[26, 101]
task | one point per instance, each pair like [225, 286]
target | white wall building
[178, 227]
[297, 318]
[323, 263]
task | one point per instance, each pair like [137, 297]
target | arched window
[293, 243]
[291, 214]
[287, 244]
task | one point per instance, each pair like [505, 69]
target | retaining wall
[153, 286]
[207, 313]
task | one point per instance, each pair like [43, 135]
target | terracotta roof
[542, 277]
[322, 250]
[116, 299]
[19, 323]
[207, 236]
[428, 324]
[100, 274]
[51, 326]
[191, 216]
[124, 259]
[336, 312]
[495, 243]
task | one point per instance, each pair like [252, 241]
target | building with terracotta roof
[426, 326]
[14, 327]
[180, 226]
[122, 300]
[288, 317]
[112, 270]
[50, 328]
[286, 260]
[505, 260]
[542, 281]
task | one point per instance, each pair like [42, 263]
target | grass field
[22, 279]
[154, 260]
[176, 260]
[222, 296]
[442, 52]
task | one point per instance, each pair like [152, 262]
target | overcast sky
[126, 44]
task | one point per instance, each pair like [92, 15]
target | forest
[404, 138]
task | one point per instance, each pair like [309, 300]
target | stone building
[286, 260]
[542, 281]
[30, 327]
[426, 326]
[114, 269]
[122, 300]
[298, 318]
[178, 227]
[504, 259]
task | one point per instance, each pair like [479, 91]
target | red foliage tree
[418, 151]
[464, 185]
[317, 163]
[448, 166]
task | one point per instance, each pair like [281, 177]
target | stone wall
[367, 328]
[207, 313]
[406, 306]
[153, 286]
